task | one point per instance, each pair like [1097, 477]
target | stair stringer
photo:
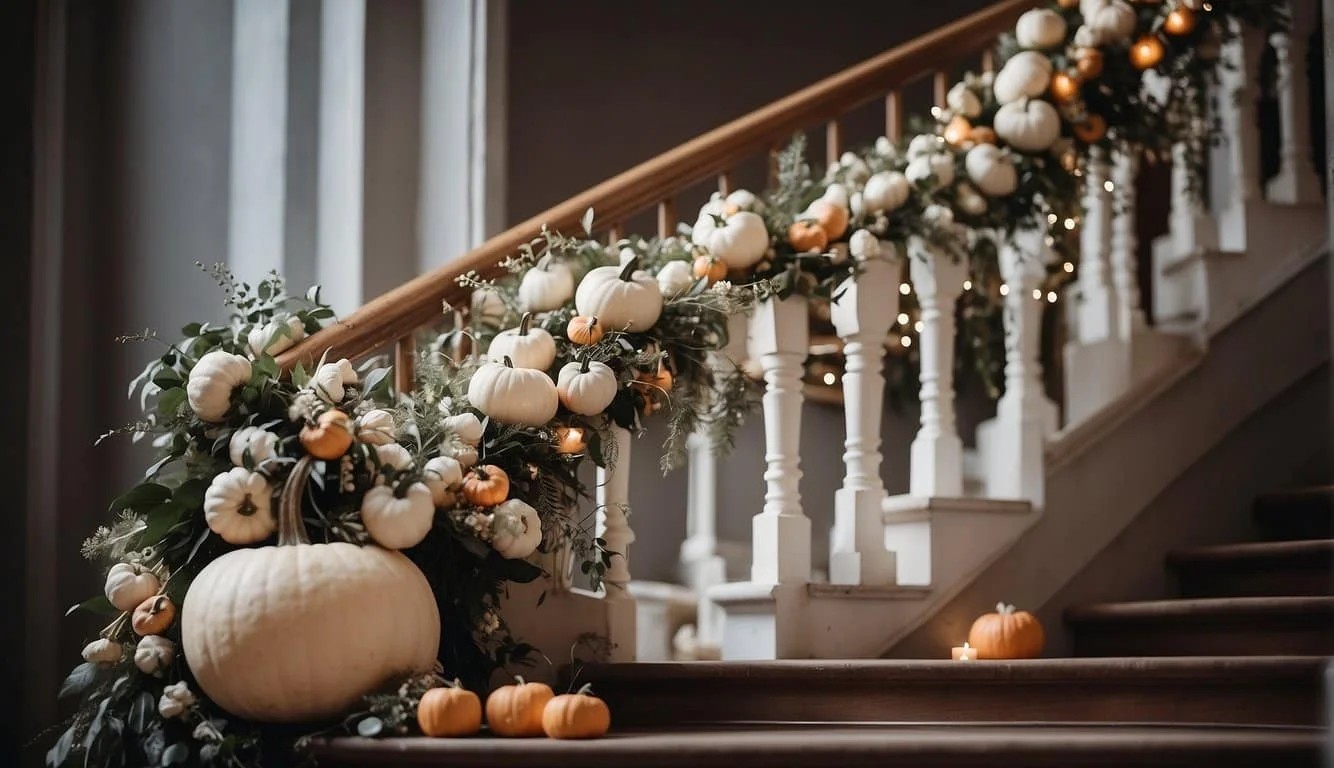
[1105, 471]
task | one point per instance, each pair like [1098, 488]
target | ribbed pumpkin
[1007, 634]
[301, 632]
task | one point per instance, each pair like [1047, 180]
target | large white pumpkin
[1027, 73]
[621, 297]
[586, 386]
[516, 395]
[1029, 125]
[301, 632]
[546, 286]
[526, 347]
[741, 239]
[991, 170]
[1040, 28]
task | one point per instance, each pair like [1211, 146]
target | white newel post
[1097, 311]
[1125, 244]
[863, 316]
[1024, 415]
[1238, 78]
[781, 534]
[1296, 181]
[613, 498]
[937, 451]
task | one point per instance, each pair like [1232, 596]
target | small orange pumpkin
[1007, 634]
[570, 440]
[516, 710]
[807, 235]
[1064, 88]
[486, 485]
[709, 267]
[1088, 63]
[983, 135]
[153, 616]
[660, 378]
[833, 218]
[450, 711]
[1092, 129]
[331, 436]
[584, 330]
[958, 131]
[578, 715]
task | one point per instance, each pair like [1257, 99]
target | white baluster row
[1296, 181]
[613, 527]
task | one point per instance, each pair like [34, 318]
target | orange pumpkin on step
[578, 715]
[1007, 634]
[450, 711]
[516, 710]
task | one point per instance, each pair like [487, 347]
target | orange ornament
[516, 710]
[1007, 634]
[983, 135]
[1147, 52]
[583, 330]
[833, 218]
[1069, 3]
[807, 235]
[153, 616]
[1092, 129]
[486, 485]
[1180, 21]
[1088, 63]
[578, 715]
[331, 436]
[1064, 88]
[710, 267]
[450, 711]
[958, 131]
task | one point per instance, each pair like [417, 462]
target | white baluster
[863, 316]
[1191, 228]
[1097, 303]
[340, 267]
[1125, 245]
[1024, 416]
[781, 534]
[1238, 76]
[613, 498]
[937, 451]
[1296, 181]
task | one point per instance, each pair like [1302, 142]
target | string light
[1207, 7]
[935, 112]
[1051, 218]
[1109, 186]
[905, 289]
[1037, 294]
[1004, 289]
[1049, 240]
[903, 318]
[1069, 267]
[917, 326]
[1051, 297]
[906, 341]
[1070, 223]
[830, 378]
[968, 285]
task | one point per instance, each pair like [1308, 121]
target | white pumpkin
[1113, 21]
[103, 651]
[465, 455]
[376, 427]
[129, 584]
[938, 216]
[856, 205]
[623, 298]
[546, 286]
[741, 240]
[211, 381]
[466, 426]
[966, 195]
[525, 346]
[398, 523]
[520, 396]
[300, 632]
[991, 169]
[176, 699]
[516, 529]
[331, 380]
[238, 506]
[886, 191]
[487, 308]
[922, 145]
[962, 101]
[442, 475]
[394, 456]
[1028, 125]
[863, 245]
[836, 194]
[935, 170]
[675, 278]
[154, 654]
[1027, 73]
[265, 339]
[587, 387]
[884, 147]
[1087, 37]
[261, 444]
[1040, 28]
[745, 200]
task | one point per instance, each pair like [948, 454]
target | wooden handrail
[399, 312]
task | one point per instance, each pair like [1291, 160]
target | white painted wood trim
[342, 129]
[937, 450]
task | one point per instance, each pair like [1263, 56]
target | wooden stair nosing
[1297, 553]
[1313, 609]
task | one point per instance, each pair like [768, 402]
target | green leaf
[587, 222]
[518, 571]
[141, 712]
[299, 376]
[370, 727]
[170, 401]
[176, 754]
[59, 752]
[141, 497]
[376, 384]
[79, 680]
[192, 329]
[167, 378]
[99, 605]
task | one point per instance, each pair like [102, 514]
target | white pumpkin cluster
[731, 229]
[930, 162]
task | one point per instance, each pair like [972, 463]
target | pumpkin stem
[524, 322]
[1004, 609]
[508, 362]
[518, 679]
[584, 362]
[718, 221]
[585, 690]
[628, 270]
[291, 529]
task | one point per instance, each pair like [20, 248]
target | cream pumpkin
[962, 101]
[259, 442]
[516, 530]
[301, 632]
[238, 506]
[376, 427]
[675, 278]
[211, 382]
[991, 169]
[487, 308]
[1029, 125]
[516, 395]
[129, 584]
[1113, 21]
[331, 380]
[586, 387]
[1027, 73]
[1040, 28]
[546, 286]
[622, 298]
[466, 426]
[275, 336]
[443, 475]
[741, 239]
[885, 192]
[398, 523]
[936, 170]
[525, 346]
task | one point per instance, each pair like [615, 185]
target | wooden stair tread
[1310, 552]
[1205, 609]
[795, 745]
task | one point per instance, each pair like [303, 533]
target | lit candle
[964, 652]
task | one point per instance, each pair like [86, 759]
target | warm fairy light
[830, 378]
[935, 112]
[1051, 297]
[903, 318]
[1037, 294]
[1207, 7]
[1049, 240]
[905, 289]
[570, 440]
[1004, 289]
[968, 285]
[1051, 218]
[917, 326]
[1069, 267]
[1069, 223]
[1109, 185]
[906, 341]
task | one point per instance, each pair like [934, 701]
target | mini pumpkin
[153, 616]
[622, 297]
[103, 651]
[579, 715]
[586, 331]
[832, 216]
[516, 530]
[570, 440]
[211, 382]
[451, 711]
[1113, 21]
[526, 346]
[129, 584]
[154, 654]
[486, 485]
[675, 278]
[991, 170]
[807, 235]
[330, 437]
[259, 442]
[1088, 63]
[275, 336]
[1147, 52]
[1092, 129]
[376, 427]
[442, 474]
[546, 286]
[238, 506]
[1180, 21]
[396, 522]
[1027, 73]
[331, 381]
[516, 395]
[1007, 634]
[1040, 28]
[1064, 88]
[886, 191]
[983, 134]
[710, 268]
[587, 387]
[516, 710]
[958, 131]
[467, 427]
[1028, 125]
[962, 101]
[740, 239]
[935, 170]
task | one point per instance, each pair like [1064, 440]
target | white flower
[204, 732]
[467, 426]
[154, 654]
[102, 651]
[176, 699]
[376, 427]
[261, 444]
[722, 287]
[330, 380]
[303, 406]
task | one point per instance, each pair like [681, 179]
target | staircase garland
[474, 474]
